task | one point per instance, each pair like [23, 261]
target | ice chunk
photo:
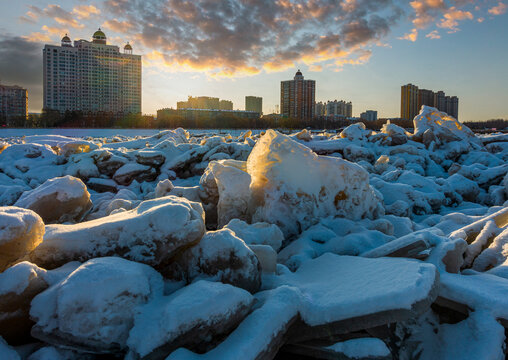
[61, 199]
[293, 187]
[195, 317]
[257, 234]
[443, 127]
[21, 230]
[260, 335]
[219, 256]
[70, 315]
[7, 352]
[151, 233]
[336, 287]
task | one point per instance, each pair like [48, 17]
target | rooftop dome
[99, 37]
[66, 38]
[99, 34]
[298, 73]
[127, 47]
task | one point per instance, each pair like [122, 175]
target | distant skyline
[356, 50]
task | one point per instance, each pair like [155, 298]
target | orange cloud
[451, 18]
[433, 35]
[411, 36]
[85, 11]
[498, 10]
[117, 26]
[55, 30]
[37, 37]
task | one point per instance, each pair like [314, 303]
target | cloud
[85, 11]
[58, 14]
[433, 35]
[452, 17]
[411, 36]
[37, 37]
[30, 17]
[247, 36]
[117, 26]
[498, 10]
[21, 64]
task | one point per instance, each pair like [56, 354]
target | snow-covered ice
[212, 245]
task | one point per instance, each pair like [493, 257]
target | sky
[356, 50]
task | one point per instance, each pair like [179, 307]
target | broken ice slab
[471, 231]
[358, 349]
[409, 246]
[462, 293]
[341, 294]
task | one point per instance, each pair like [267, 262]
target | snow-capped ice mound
[192, 317]
[21, 230]
[396, 134]
[257, 234]
[355, 132]
[61, 199]
[151, 233]
[93, 308]
[293, 187]
[219, 256]
[434, 125]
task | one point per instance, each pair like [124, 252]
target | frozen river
[6, 133]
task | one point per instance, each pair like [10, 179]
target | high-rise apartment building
[369, 115]
[13, 103]
[254, 103]
[297, 97]
[320, 109]
[412, 99]
[339, 108]
[225, 105]
[91, 76]
[409, 101]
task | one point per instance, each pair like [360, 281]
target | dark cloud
[239, 34]
[21, 64]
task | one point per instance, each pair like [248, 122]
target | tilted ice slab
[151, 233]
[193, 315]
[293, 187]
[336, 287]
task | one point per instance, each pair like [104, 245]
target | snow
[256, 332]
[200, 304]
[150, 233]
[17, 278]
[303, 224]
[258, 233]
[102, 317]
[7, 352]
[342, 287]
[59, 199]
[479, 336]
[361, 348]
[293, 187]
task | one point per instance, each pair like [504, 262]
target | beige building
[408, 101]
[13, 103]
[254, 103]
[297, 97]
[225, 105]
[91, 76]
[412, 99]
[339, 108]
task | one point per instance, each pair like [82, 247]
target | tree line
[76, 119]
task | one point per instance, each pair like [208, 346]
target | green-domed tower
[99, 37]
